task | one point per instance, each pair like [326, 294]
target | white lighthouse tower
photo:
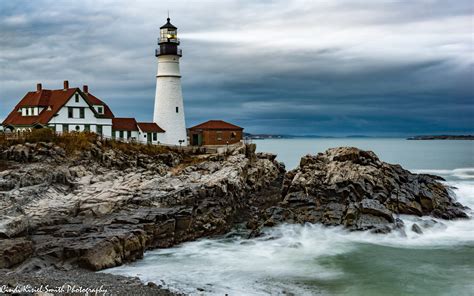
[169, 107]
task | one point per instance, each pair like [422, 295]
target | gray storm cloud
[310, 67]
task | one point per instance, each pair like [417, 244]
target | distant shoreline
[427, 137]
[443, 137]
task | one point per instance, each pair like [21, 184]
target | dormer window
[76, 96]
[100, 109]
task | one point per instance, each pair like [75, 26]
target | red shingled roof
[124, 124]
[150, 127]
[52, 101]
[93, 100]
[216, 125]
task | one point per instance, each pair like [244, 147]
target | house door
[148, 137]
[197, 139]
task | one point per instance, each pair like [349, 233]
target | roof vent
[66, 84]
[39, 87]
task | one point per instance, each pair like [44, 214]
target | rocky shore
[102, 207]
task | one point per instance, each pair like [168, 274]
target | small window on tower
[177, 109]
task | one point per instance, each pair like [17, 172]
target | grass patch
[79, 141]
[135, 148]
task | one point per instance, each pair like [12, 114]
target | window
[155, 137]
[26, 111]
[100, 110]
[65, 128]
[77, 98]
[219, 136]
[70, 112]
[78, 128]
[177, 109]
[129, 134]
[87, 127]
[121, 134]
[82, 113]
[99, 129]
[233, 135]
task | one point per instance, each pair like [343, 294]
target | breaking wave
[460, 173]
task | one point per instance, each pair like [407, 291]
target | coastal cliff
[102, 205]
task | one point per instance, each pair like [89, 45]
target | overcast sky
[285, 66]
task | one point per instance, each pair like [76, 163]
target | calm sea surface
[316, 260]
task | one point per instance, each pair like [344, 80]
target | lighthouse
[169, 107]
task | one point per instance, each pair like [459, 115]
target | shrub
[40, 135]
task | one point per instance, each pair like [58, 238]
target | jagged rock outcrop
[102, 207]
[352, 187]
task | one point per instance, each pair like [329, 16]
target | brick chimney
[85, 89]
[66, 84]
[39, 87]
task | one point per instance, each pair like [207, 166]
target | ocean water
[316, 260]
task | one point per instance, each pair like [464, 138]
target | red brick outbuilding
[215, 132]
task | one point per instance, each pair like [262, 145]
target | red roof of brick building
[216, 125]
[150, 127]
[52, 101]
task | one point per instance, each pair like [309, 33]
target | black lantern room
[168, 41]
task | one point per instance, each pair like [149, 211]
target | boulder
[14, 251]
[416, 228]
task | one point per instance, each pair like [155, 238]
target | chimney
[85, 89]
[66, 84]
[38, 87]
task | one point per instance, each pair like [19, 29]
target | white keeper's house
[72, 109]
[75, 110]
